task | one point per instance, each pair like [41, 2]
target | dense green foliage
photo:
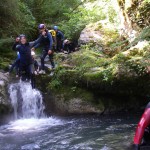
[19, 16]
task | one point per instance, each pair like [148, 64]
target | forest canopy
[23, 16]
[19, 16]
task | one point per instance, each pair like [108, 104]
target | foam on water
[33, 124]
[106, 148]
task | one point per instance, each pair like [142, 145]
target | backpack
[53, 33]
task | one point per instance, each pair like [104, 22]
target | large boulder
[4, 99]
[101, 35]
[71, 100]
[75, 106]
[81, 101]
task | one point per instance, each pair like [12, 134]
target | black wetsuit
[26, 62]
[59, 39]
[47, 43]
[69, 47]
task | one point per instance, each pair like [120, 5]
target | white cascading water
[26, 102]
[28, 109]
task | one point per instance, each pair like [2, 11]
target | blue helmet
[41, 26]
[55, 27]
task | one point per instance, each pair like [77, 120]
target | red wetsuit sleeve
[144, 122]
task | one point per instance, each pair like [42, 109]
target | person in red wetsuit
[142, 134]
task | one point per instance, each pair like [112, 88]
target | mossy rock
[75, 100]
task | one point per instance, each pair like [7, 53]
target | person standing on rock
[45, 39]
[26, 60]
[59, 39]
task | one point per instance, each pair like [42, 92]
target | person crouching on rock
[69, 46]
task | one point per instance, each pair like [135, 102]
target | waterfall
[26, 102]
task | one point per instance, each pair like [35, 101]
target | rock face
[4, 101]
[90, 35]
[75, 106]
[100, 33]
[62, 104]
[68, 100]
[134, 16]
[101, 36]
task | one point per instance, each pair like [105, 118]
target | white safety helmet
[32, 53]
[66, 41]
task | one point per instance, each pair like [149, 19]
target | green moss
[139, 13]
[69, 93]
[144, 35]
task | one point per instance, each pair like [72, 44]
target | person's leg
[59, 46]
[51, 58]
[26, 73]
[30, 72]
[21, 69]
[17, 68]
[44, 54]
[22, 74]
[13, 66]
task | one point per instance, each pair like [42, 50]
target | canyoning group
[50, 40]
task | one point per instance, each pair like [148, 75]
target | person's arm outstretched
[35, 44]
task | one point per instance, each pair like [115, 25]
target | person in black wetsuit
[59, 39]
[45, 39]
[68, 46]
[26, 61]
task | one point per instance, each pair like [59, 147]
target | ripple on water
[66, 134]
[30, 147]
[106, 148]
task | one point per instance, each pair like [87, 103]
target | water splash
[32, 124]
[26, 102]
